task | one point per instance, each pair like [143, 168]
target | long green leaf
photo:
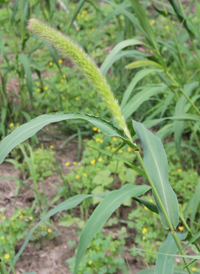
[179, 110]
[149, 205]
[68, 204]
[29, 129]
[26, 64]
[183, 20]
[2, 268]
[121, 9]
[143, 63]
[176, 271]
[53, 55]
[183, 117]
[193, 204]
[77, 10]
[139, 76]
[140, 98]
[126, 43]
[101, 214]
[142, 17]
[165, 264]
[155, 161]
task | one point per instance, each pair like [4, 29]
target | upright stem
[164, 212]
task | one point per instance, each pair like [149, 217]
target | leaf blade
[29, 129]
[156, 164]
[102, 212]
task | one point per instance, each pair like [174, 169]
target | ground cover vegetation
[136, 168]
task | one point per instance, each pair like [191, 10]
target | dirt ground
[52, 256]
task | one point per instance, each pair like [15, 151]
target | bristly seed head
[69, 48]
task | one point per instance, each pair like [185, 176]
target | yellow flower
[79, 164]
[144, 230]
[84, 174]
[93, 52]
[37, 84]
[20, 216]
[11, 125]
[97, 139]
[61, 80]
[129, 149]
[166, 27]
[74, 163]
[100, 159]
[92, 29]
[38, 89]
[60, 61]
[145, 207]
[152, 22]
[93, 162]
[143, 238]
[77, 98]
[179, 170]
[31, 218]
[51, 146]
[114, 139]
[73, 7]
[108, 147]
[181, 228]
[173, 22]
[113, 37]
[37, 152]
[19, 212]
[45, 88]
[95, 128]
[150, 200]
[86, 18]
[77, 176]
[90, 262]
[64, 76]
[99, 130]
[7, 256]
[84, 12]
[4, 217]
[2, 238]
[194, 268]
[101, 141]
[120, 151]
[77, 28]
[49, 230]
[63, 98]
[67, 163]
[50, 63]
[113, 148]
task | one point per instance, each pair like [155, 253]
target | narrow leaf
[139, 76]
[155, 161]
[106, 64]
[101, 214]
[165, 264]
[29, 129]
[139, 99]
[143, 63]
[68, 204]
[25, 62]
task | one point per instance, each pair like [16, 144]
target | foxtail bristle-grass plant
[154, 166]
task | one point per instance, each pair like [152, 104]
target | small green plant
[13, 230]
[103, 256]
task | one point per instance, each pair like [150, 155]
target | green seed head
[69, 48]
